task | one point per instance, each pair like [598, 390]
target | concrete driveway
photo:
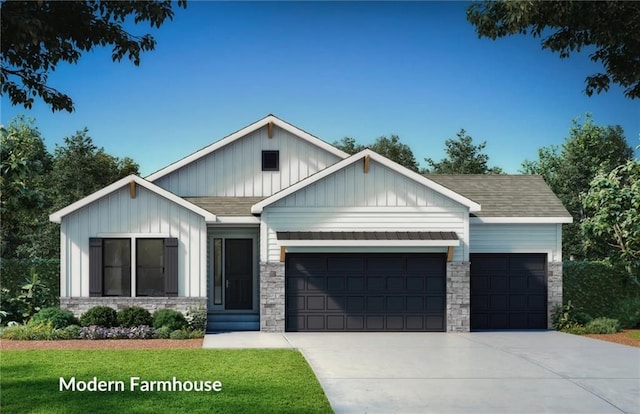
[505, 372]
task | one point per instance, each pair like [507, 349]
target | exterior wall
[147, 215]
[272, 297]
[458, 296]
[554, 289]
[235, 170]
[363, 219]
[517, 238]
[80, 305]
[380, 187]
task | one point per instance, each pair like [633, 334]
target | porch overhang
[368, 238]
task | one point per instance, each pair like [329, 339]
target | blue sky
[334, 69]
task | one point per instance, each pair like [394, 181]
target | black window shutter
[95, 267]
[171, 267]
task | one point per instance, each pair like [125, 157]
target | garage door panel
[388, 292]
[306, 267]
[508, 291]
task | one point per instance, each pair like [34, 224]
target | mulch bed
[7, 344]
[620, 338]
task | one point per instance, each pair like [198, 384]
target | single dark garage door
[365, 292]
[508, 291]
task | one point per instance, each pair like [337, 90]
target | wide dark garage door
[508, 291]
[365, 292]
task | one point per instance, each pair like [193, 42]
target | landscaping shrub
[565, 317]
[117, 332]
[69, 332]
[134, 316]
[196, 318]
[163, 333]
[101, 316]
[59, 318]
[596, 287]
[168, 317]
[628, 313]
[30, 332]
[179, 334]
[602, 326]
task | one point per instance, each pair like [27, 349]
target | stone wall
[272, 297]
[79, 305]
[458, 297]
[554, 289]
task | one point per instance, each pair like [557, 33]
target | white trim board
[520, 220]
[241, 133]
[472, 205]
[57, 216]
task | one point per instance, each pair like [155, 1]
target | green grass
[635, 334]
[253, 381]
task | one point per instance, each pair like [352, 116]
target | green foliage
[613, 201]
[31, 332]
[635, 335]
[564, 317]
[196, 318]
[37, 36]
[600, 289]
[628, 313]
[569, 171]
[603, 326]
[179, 334]
[170, 318]
[391, 148]
[164, 332]
[609, 29]
[100, 316]
[134, 316]
[463, 157]
[59, 318]
[69, 332]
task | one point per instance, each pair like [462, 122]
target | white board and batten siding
[350, 200]
[235, 170]
[517, 238]
[120, 216]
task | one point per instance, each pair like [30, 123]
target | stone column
[272, 297]
[458, 297]
[554, 289]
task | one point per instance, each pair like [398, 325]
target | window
[116, 260]
[149, 267]
[111, 263]
[270, 160]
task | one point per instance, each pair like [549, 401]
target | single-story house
[273, 229]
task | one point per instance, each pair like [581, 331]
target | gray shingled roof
[505, 195]
[226, 206]
[367, 235]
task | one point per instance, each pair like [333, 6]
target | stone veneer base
[79, 305]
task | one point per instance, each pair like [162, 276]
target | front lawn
[252, 381]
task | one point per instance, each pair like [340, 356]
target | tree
[24, 167]
[463, 158]
[81, 168]
[610, 28]
[38, 35]
[614, 200]
[588, 149]
[391, 148]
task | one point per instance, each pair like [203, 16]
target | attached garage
[365, 292]
[508, 291]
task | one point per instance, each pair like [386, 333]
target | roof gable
[57, 216]
[368, 156]
[264, 122]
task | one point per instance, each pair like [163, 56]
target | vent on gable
[270, 160]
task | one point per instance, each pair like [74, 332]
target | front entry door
[238, 259]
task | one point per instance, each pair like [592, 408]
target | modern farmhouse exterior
[273, 229]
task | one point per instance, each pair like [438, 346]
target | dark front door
[508, 291]
[365, 292]
[238, 273]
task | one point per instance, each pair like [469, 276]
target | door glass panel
[217, 271]
[150, 267]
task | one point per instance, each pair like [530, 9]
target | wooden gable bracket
[450, 253]
[132, 189]
[270, 130]
[283, 253]
[367, 161]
